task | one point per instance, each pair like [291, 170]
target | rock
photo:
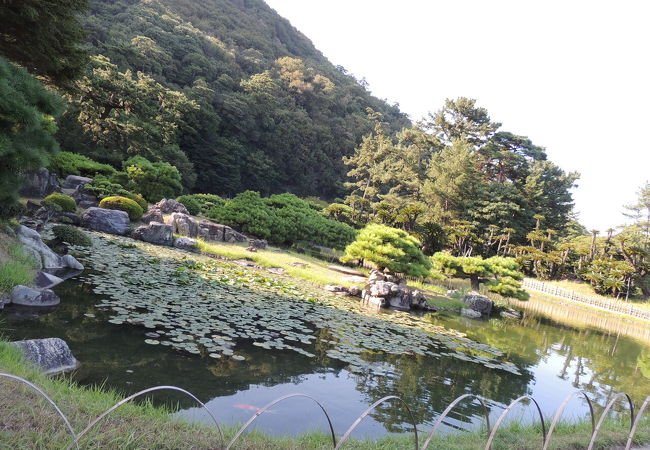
[184, 225]
[44, 280]
[75, 181]
[378, 302]
[354, 291]
[470, 313]
[210, 231]
[39, 183]
[168, 206]
[154, 233]
[152, 215]
[44, 257]
[451, 292]
[277, 270]
[251, 249]
[185, 243]
[393, 292]
[259, 244]
[109, 221]
[478, 302]
[32, 207]
[51, 355]
[381, 288]
[72, 263]
[299, 264]
[4, 300]
[23, 295]
[230, 235]
[85, 204]
[335, 288]
[510, 314]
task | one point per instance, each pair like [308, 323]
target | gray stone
[44, 257]
[478, 302]
[109, 221]
[354, 291]
[259, 244]
[72, 263]
[277, 270]
[335, 288]
[39, 183]
[510, 314]
[32, 207]
[154, 233]
[4, 300]
[378, 302]
[230, 235]
[211, 231]
[185, 243]
[85, 204]
[168, 206]
[44, 280]
[51, 355]
[26, 296]
[75, 181]
[152, 215]
[184, 225]
[470, 313]
[381, 288]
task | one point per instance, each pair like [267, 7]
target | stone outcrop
[154, 233]
[75, 181]
[152, 215]
[388, 290]
[51, 355]
[211, 231]
[26, 296]
[168, 206]
[470, 313]
[43, 256]
[71, 262]
[183, 224]
[479, 303]
[258, 244]
[39, 183]
[106, 220]
[185, 243]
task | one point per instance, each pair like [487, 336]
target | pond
[237, 339]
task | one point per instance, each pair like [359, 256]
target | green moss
[66, 202]
[123, 204]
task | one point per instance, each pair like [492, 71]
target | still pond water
[550, 360]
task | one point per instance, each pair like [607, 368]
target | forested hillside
[226, 90]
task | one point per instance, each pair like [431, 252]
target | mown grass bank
[26, 421]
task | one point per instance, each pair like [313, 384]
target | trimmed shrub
[205, 202]
[66, 163]
[71, 235]
[123, 204]
[193, 206]
[139, 199]
[66, 202]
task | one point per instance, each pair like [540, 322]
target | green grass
[26, 421]
[17, 268]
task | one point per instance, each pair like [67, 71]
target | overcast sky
[571, 75]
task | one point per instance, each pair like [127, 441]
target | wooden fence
[592, 300]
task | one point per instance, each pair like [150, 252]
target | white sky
[571, 75]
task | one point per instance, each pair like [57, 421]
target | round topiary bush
[192, 204]
[71, 235]
[66, 202]
[139, 199]
[123, 204]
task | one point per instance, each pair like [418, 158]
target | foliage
[123, 204]
[18, 269]
[45, 37]
[27, 111]
[192, 204]
[66, 202]
[499, 274]
[71, 235]
[102, 187]
[154, 180]
[389, 248]
[138, 198]
[281, 219]
[66, 163]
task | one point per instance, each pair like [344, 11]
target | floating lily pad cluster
[206, 307]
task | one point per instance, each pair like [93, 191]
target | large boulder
[51, 355]
[154, 233]
[109, 221]
[185, 243]
[258, 244]
[75, 181]
[43, 256]
[479, 303]
[230, 235]
[211, 231]
[183, 224]
[39, 183]
[26, 296]
[152, 215]
[71, 262]
[168, 206]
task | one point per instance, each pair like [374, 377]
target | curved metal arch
[49, 400]
[274, 402]
[448, 410]
[346, 436]
[138, 394]
[503, 415]
[594, 435]
[639, 413]
[560, 410]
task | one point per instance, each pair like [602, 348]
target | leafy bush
[66, 163]
[154, 180]
[204, 202]
[123, 204]
[139, 199]
[102, 187]
[389, 248]
[282, 219]
[71, 235]
[66, 202]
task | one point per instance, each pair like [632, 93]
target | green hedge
[66, 163]
[123, 204]
[66, 202]
[200, 203]
[282, 219]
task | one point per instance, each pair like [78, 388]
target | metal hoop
[594, 435]
[503, 415]
[274, 402]
[137, 394]
[636, 422]
[448, 410]
[367, 411]
[49, 400]
[559, 411]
